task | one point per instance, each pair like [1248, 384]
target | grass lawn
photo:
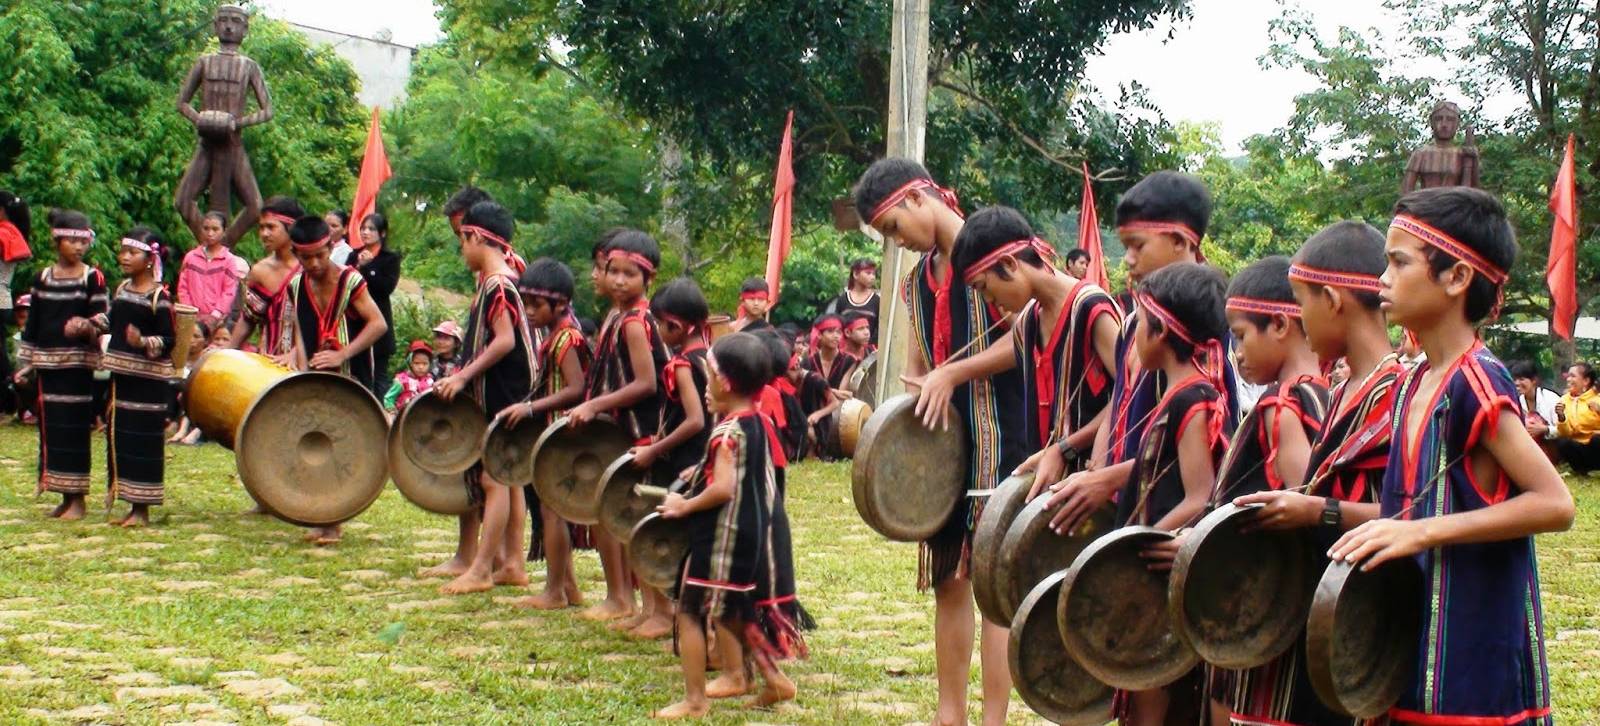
[212, 616]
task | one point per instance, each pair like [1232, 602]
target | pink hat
[449, 328]
[26, 301]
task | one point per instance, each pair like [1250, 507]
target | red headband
[153, 250]
[948, 196]
[283, 219]
[643, 262]
[1208, 356]
[826, 325]
[541, 292]
[1262, 307]
[486, 234]
[1351, 280]
[754, 295]
[69, 232]
[1039, 246]
[1431, 235]
[313, 245]
[861, 322]
[1183, 231]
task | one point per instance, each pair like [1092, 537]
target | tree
[91, 122]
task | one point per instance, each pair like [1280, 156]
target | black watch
[1332, 515]
[1068, 451]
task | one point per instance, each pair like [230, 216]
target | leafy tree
[91, 122]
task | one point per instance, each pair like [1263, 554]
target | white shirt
[1544, 405]
[341, 252]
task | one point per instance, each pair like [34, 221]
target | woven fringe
[938, 562]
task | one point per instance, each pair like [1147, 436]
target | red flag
[782, 207]
[1089, 233]
[1561, 271]
[374, 172]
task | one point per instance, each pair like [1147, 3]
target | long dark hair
[16, 212]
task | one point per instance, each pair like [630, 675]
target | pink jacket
[211, 284]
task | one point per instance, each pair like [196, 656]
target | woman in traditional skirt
[139, 358]
[59, 345]
[727, 577]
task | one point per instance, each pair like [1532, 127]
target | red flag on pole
[782, 207]
[1561, 271]
[374, 172]
[1089, 233]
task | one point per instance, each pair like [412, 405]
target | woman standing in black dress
[381, 268]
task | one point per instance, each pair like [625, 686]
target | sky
[1206, 72]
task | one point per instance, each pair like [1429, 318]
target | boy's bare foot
[73, 509]
[727, 685]
[327, 536]
[628, 623]
[653, 627]
[544, 601]
[469, 581]
[514, 577]
[60, 509]
[682, 709]
[774, 692]
[452, 568]
[607, 610]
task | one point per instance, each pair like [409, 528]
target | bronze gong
[656, 549]
[863, 381]
[508, 451]
[996, 518]
[1031, 550]
[438, 493]
[309, 446]
[1361, 638]
[1113, 614]
[442, 437]
[906, 479]
[1049, 681]
[622, 505]
[1241, 598]
[568, 462]
[848, 419]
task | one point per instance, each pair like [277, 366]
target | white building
[383, 66]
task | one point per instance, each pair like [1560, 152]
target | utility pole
[908, 114]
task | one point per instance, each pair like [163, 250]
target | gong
[442, 437]
[508, 451]
[622, 505]
[1049, 680]
[848, 419]
[1241, 598]
[907, 480]
[1113, 614]
[1361, 638]
[1031, 551]
[863, 381]
[656, 549]
[996, 518]
[437, 493]
[568, 462]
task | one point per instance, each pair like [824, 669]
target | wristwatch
[1069, 452]
[1332, 515]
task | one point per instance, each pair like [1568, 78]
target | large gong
[1049, 680]
[1031, 550]
[568, 462]
[1113, 614]
[442, 437]
[998, 514]
[907, 480]
[1361, 638]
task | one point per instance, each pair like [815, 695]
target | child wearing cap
[416, 379]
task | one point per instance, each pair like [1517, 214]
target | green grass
[90, 615]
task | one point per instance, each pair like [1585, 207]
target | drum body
[720, 325]
[906, 479]
[621, 505]
[183, 334]
[657, 548]
[1031, 551]
[863, 381]
[310, 447]
[849, 419]
[998, 514]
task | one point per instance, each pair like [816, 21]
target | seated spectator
[1538, 402]
[1578, 420]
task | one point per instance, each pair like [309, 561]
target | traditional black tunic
[1155, 487]
[140, 393]
[65, 369]
[1062, 376]
[731, 574]
[613, 369]
[691, 452]
[333, 327]
[837, 373]
[511, 378]
[945, 316]
[1250, 465]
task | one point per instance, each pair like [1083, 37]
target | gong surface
[222, 385]
[311, 449]
[508, 452]
[863, 381]
[1049, 680]
[1031, 550]
[442, 437]
[568, 462]
[437, 493]
[1113, 614]
[621, 507]
[1361, 638]
[998, 514]
[656, 549]
[1240, 598]
[851, 416]
[906, 479]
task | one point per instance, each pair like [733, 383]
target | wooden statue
[220, 162]
[1443, 163]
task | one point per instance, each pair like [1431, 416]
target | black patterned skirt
[66, 416]
[135, 437]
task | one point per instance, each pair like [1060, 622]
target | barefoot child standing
[728, 507]
[59, 346]
[497, 373]
[139, 357]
